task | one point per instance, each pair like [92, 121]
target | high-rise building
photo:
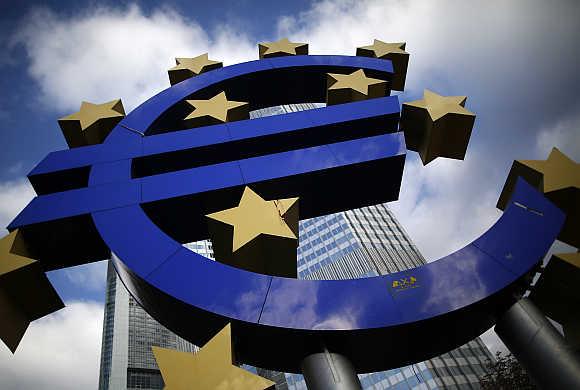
[127, 361]
[353, 244]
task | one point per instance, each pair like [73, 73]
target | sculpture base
[539, 347]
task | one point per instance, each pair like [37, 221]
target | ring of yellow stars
[25, 292]
[186, 68]
[356, 86]
[395, 52]
[92, 123]
[558, 177]
[280, 48]
[211, 368]
[557, 291]
[258, 235]
[215, 110]
[437, 126]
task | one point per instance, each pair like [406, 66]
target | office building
[127, 361]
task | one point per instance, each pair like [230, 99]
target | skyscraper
[353, 244]
[127, 360]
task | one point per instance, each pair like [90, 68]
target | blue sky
[517, 61]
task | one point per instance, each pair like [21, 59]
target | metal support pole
[539, 347]
[329, 371]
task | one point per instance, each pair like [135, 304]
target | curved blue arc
[145, 115]
[502, 255]
[429, 298]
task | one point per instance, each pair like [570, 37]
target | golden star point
[195, 64]
[381, 49]
[356, 80]
[92, 123]
[558, 170]
[186, 68]
[11, 259]
[90, 113]
[217, 109]
[437, 126]
[255, 216]
[257, 235]
[344, 88]
[438, 105]
[210, 368]
[395, 52]
[26, 292]
[282, 47]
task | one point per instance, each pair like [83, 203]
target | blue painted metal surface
[141, 200]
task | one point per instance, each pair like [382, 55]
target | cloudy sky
[517, 61]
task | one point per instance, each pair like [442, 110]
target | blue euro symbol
[143, 192]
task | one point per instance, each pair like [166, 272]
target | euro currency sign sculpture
[189, 164]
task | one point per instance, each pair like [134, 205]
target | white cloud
[108, 53]
[60, 351]
[446, 204]
[14, 196]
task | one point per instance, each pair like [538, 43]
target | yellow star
[558, 171]
[188, 67]
[25, 292]
[209, 369]
[439, 106]
[283, 47]
[389, 51]
[254, 216]
[437, 126]
[92, 123]
[344, 88]
[558, 178]
[380, 49]
[217, 109]
[258, 235]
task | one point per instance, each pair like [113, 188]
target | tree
[506, 373]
